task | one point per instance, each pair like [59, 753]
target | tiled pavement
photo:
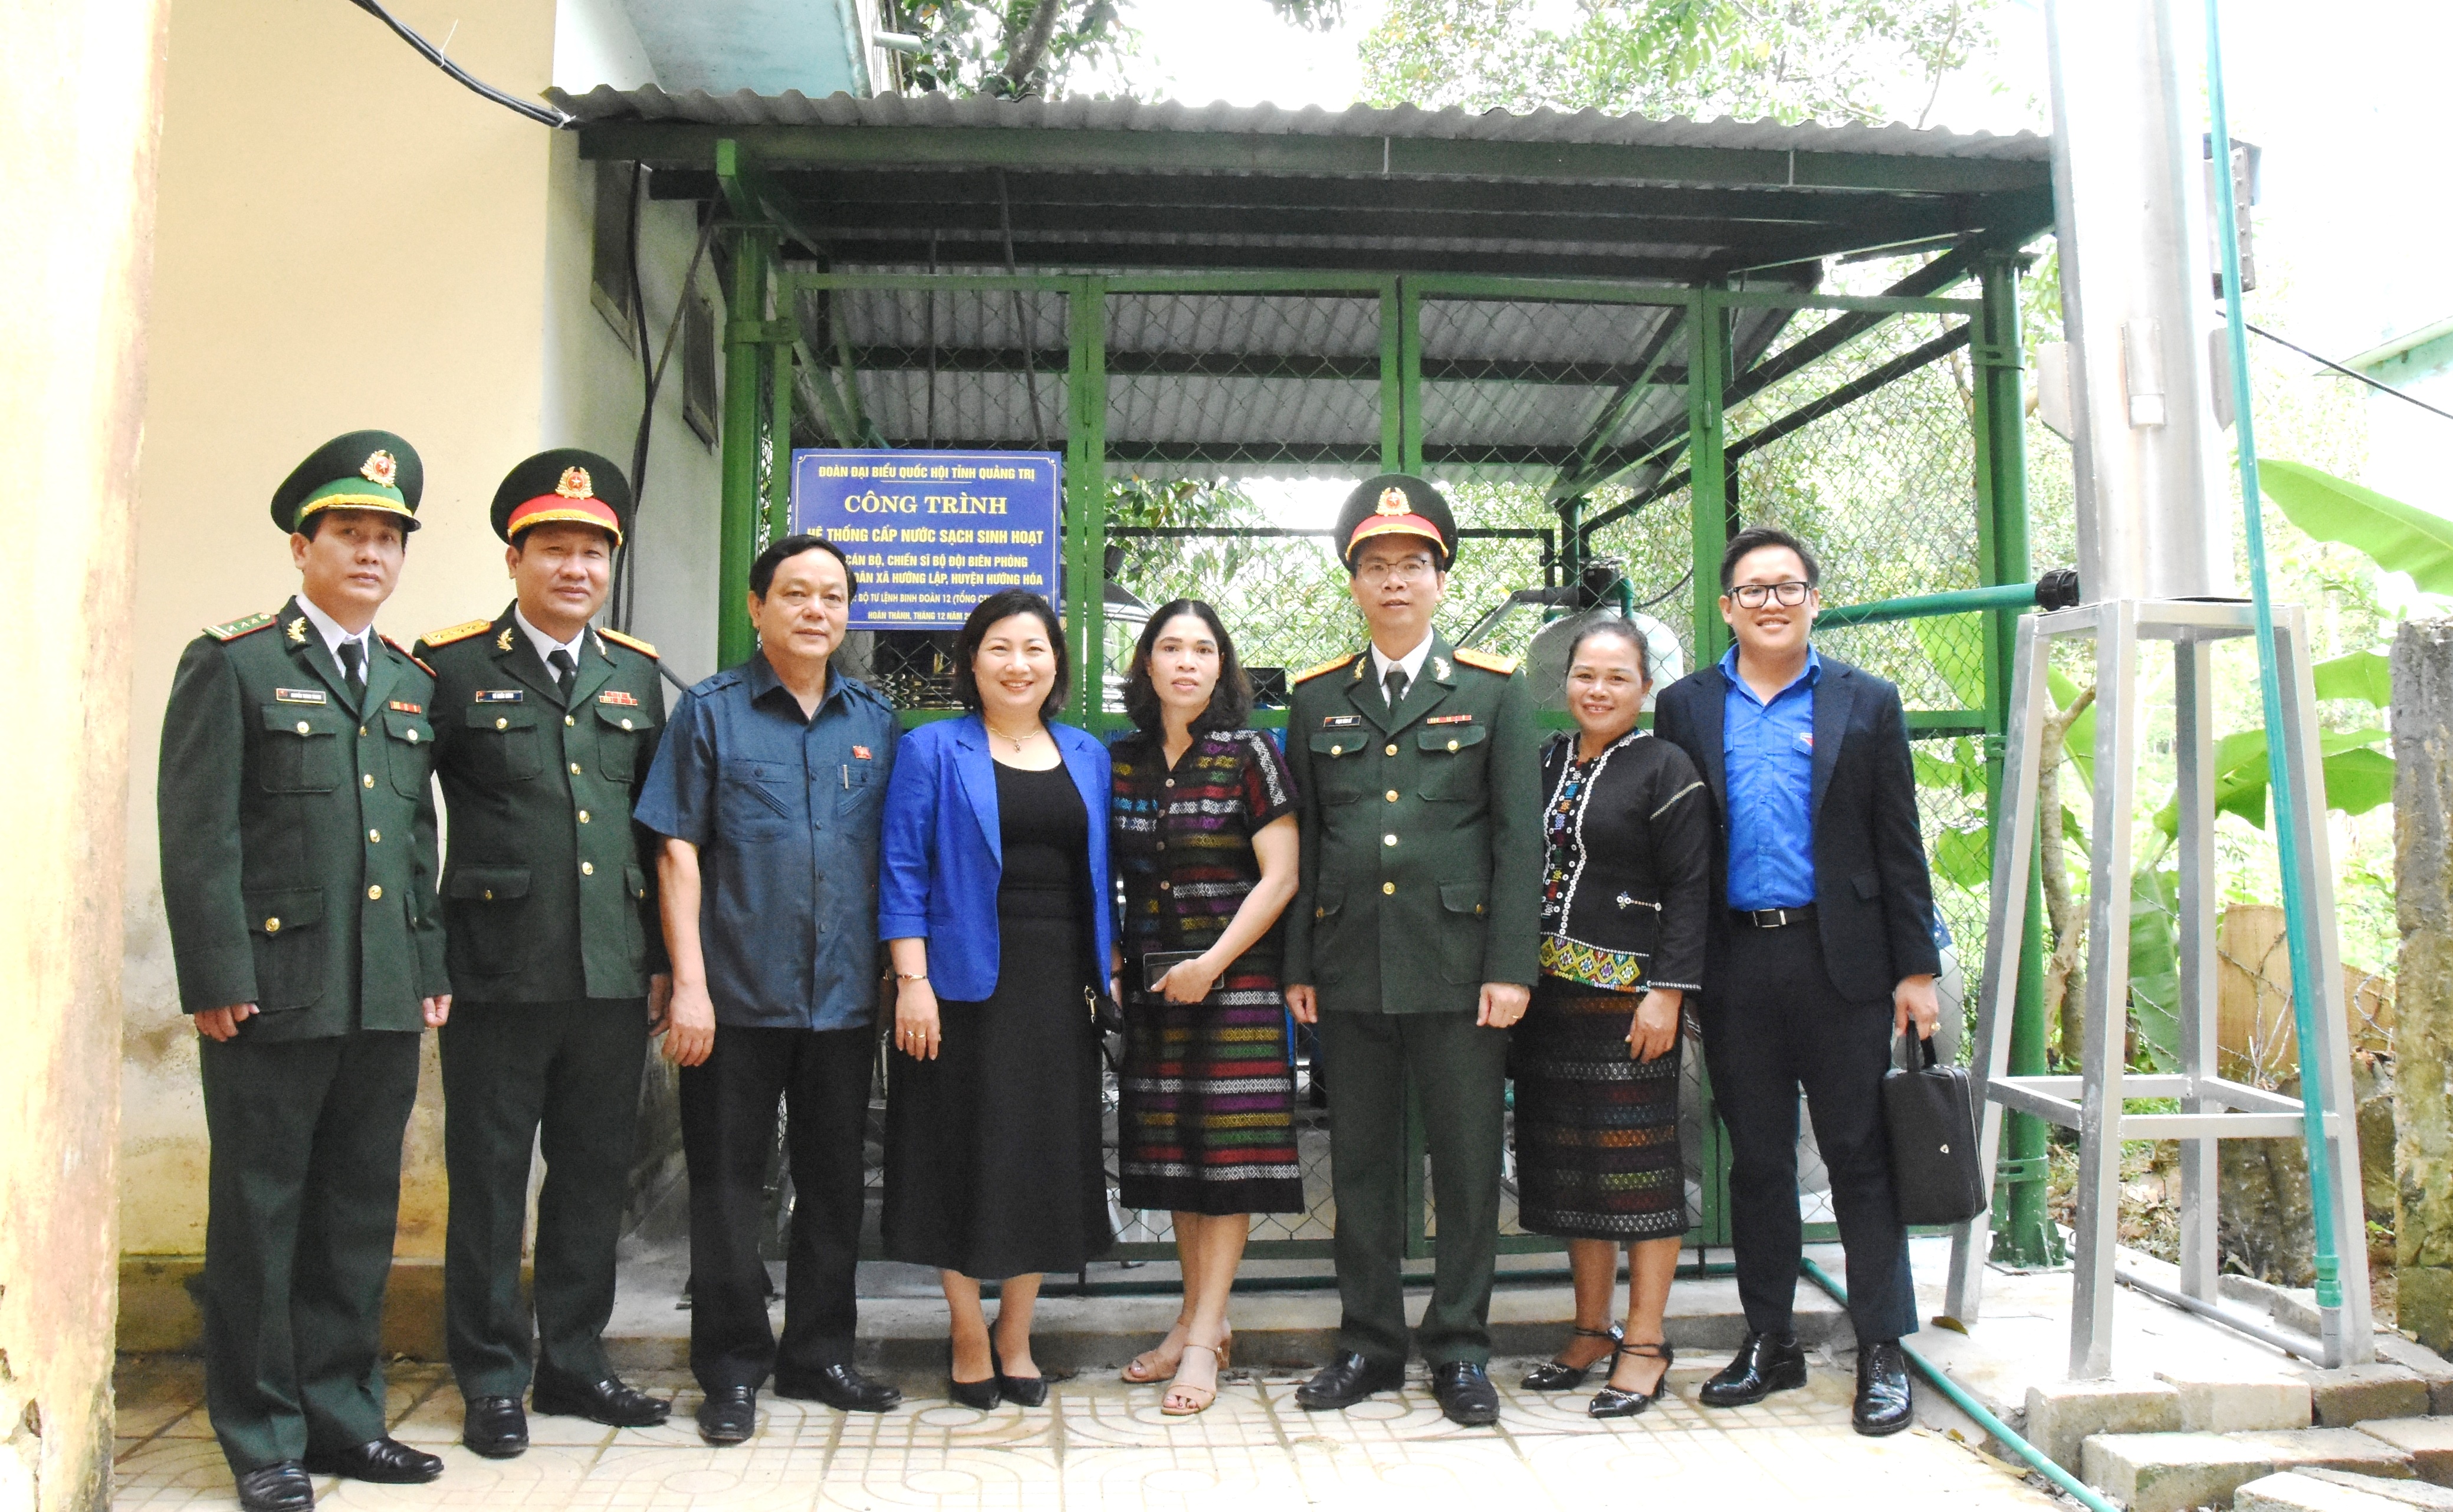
[1102, 1445]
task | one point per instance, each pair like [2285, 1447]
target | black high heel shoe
[981, 1396]
[1556, 1375]
[1023, 1391]
[1610, 1402]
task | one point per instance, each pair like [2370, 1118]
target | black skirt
[993, 1150]
[1597, 1154]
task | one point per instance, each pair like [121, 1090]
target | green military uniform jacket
[298, 833]
[1422, 835]
[549, 889]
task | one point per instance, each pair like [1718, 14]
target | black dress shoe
[1348, 1380]
[839, 1387]
[280, 1487]
[1023, 1391]
[1465, 1393]
[608, 1401]
[1614, 1402]
[979, 1395]
[1883, 1403]
[1765, 1364]
[494, 1427]
[384, 1461]
[730, 1415]
[1556, 1375]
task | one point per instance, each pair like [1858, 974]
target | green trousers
[556, 1078]
[304, 1194]
[1459, 1070]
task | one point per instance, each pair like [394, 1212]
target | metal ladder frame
[2094, 1102]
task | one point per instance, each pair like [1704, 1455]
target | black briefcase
[1931, 1114]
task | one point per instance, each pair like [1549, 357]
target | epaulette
[1324, 668]
[632, 642]
[235, 629]
[1504, 666]
[457, 632]
[406, 651]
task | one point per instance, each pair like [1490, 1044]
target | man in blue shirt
[767, 790]
[1822, 951]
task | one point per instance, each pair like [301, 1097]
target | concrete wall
[348, 238]
[79, 108]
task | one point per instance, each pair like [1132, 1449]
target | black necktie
[565, 670]
[1395, 684]
[353, 666]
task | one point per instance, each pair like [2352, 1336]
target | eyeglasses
[1413, 569]
[1753, 595]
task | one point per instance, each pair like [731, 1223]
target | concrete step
[2166, 1472]
[2338, 1491]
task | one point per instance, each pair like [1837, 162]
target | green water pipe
[1924, 605]
[2077, 1489]
[2299, 929]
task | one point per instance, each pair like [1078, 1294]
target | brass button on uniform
[412, 737]
[588, 868]
[302, 726]
[574, 768]
[1391, 749]
[489, 895]
[1387, 886]
[568, 720]
[369, 779]
[374, 837]
[273, 927]
[1387, 840]
[1337, 750]
[626, 723]
[582, 816]
[1452, 744]
[502, 723]
[1392, 795]
[374, 894]
[1317, 913]
[361, 729]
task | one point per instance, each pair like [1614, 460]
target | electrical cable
[2350, 373]
[542, 115]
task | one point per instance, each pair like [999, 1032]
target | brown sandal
[1208, 1394]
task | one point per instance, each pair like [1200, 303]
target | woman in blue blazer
[992, 897]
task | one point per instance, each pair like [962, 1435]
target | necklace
[1016, 742]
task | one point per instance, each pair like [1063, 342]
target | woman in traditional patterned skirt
[1202, 834]
[1596, 1065]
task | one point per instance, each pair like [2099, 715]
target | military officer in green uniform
[1412, 940]
[545, 729]
[298, 867]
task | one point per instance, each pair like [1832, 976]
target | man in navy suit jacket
[1821, 951]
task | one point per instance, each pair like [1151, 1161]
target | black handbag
[1931, 1114]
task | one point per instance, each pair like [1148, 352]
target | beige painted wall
[345, 238]
[349, 239]
[79, 106]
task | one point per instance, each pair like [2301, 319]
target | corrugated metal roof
[744, 108]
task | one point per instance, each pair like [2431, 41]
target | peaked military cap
[563, 487]
[364, 469]
[1396, 504]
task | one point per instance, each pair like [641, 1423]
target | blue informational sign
[931, 533]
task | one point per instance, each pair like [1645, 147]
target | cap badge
[381, 469]
[575, 484]
[1392, 501]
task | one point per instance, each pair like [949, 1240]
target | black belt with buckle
[1774, 918]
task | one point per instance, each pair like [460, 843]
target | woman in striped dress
[1202, 835]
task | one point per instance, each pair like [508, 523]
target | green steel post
[1409, 376]
[1708, 488]
[744, 321]
[1086, 495]
[1392, 379]
[2024, 1233]
[779, 440]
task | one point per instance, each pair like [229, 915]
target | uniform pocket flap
[408, 727]
[1451, 737]
[272, 910]
[1461, 897]
[501, 716]
[624, 716]
[1336, 742]
[1326, 904]
[1868, 886]
[635, 878]
[302, 719]
[485, 883]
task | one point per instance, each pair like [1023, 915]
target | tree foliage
[1033, 49]
[1829, 61]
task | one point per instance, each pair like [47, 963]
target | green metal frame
[758, 347]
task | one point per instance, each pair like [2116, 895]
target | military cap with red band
[563, 487]
[1396, 504]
